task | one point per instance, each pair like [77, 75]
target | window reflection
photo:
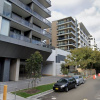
[7, 9]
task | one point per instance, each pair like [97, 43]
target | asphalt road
[88, 91]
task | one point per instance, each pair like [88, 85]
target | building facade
[92, 43]
[22, 24]
[83, 36]
[68, 33]
[52, 66]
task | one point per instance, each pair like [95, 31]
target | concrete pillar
[14, 70]
[6, 70]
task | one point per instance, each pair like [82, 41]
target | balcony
[49, 1]
[45, 3]
[62, 44]
[28, 9]
[67, 23]
[71, 44]
[70, 38]
[33, 27]
[26, 39]
[60, 39]
[42, 7]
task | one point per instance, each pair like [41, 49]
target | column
[14, 70]
[6, 70]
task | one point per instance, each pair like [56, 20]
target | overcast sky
[86, 11]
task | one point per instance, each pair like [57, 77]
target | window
[7, 9]
[5, 27]
[80, 76]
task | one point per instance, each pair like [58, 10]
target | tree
[64, 68]
[33, 67]
[85, 57]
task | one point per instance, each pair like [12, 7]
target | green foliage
[33, 66]
[64, 69]
[42, 88]
[85, 57]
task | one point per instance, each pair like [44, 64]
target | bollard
[5, 92]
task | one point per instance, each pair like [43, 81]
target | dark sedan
[64, 84]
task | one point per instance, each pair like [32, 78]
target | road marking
[53, 98]
[85, 99]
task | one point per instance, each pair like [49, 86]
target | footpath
[23, 84]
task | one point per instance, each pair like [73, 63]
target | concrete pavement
[23, 84]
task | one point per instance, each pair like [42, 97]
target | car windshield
[62, 81]
[76, 77]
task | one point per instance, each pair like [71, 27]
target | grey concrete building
[22, 24]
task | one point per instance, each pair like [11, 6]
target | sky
[85, 11]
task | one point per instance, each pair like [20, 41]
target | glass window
[7, 9]
[0, 22]
[80, 76]
[5, 27]
[62, 81]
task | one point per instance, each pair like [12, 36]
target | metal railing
[19, 37]
[26, 39]
[41, 6]
[35, 28]
[31, 11]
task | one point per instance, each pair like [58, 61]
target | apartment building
[22, 24]
[92, 43]
[83, 36]
[68, 33]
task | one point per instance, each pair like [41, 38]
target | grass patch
[40, 89]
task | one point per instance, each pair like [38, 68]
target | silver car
[79, 79]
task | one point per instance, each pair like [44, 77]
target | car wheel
[75, 86]
[66, 89]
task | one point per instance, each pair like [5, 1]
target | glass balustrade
[35, 28]
[41, 6]
[31, 11]
[26, 39]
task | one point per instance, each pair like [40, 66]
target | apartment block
[92, 43]
[68, 33]
[83, 36]
[22, 32]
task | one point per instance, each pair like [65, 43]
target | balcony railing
[19, 37]
[61, 44]
[67, 22]
[26, 39]
[33, 27]
[41, 6]
[49, 1]
[71, 44]
[31, 11]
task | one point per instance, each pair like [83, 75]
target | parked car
[79, 79]
[64, 84]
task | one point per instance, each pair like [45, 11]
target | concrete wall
[54, 33]
[53, 66]
[48, 69]
[14, 70]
